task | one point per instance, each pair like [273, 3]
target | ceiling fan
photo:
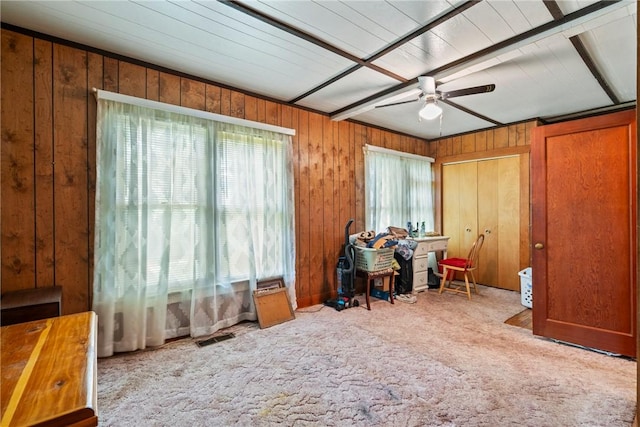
[431, 110]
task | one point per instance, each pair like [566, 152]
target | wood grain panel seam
[33, 139]
[53, 164]
[91, 98]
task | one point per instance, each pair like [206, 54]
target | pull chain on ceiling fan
[431, 110]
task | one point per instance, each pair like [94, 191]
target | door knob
[538, 246]
[468, 230]
[487, 231]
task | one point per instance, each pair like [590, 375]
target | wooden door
[468, 194]
[488, 206]
[499, 221]
[460, 207]
[451, 208]
[583, 232]
[508, 221]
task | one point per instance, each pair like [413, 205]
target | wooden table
[49, 370]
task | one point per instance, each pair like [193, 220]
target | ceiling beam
[307, 37]
[554, 9]
[390, 47]
[589, 113]
[471, 112]
[593, 68]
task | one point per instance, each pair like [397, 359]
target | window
[187, 206]
[399, 189]
[156, 186]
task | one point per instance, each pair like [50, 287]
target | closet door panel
[488, 205]
[450, 208]
[508, 219]
[468, 193]
[451, 182]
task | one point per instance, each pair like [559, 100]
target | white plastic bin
[526, 288]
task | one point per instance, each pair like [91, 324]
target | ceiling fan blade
[468, 91]
[398, 103]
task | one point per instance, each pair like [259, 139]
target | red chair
[464, 265]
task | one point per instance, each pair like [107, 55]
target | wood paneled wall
[48, 164]
[481, 144]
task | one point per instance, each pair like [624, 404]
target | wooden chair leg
[473, 277]
[466, 282]
[367, 294]
[443, 280]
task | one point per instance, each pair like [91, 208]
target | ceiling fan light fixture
[430, 111]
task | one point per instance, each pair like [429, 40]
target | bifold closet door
[484, 197]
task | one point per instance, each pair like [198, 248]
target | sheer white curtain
[190, 214]
[254, 225]
[399, 188]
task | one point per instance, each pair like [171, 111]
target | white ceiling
[549, 60]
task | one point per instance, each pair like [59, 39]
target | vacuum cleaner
[345, 271]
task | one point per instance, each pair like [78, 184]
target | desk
[49, 372]
[370, 276]
[421, 259]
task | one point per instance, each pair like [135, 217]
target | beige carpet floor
[443, 361]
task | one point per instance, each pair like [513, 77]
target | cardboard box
[382, 283]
